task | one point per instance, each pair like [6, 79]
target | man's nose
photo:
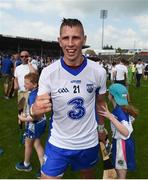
[70, 42]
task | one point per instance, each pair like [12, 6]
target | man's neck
[74, 63]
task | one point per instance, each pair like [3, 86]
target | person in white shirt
[76, 87]
[22, 70]
[121, 73]
[139, 72]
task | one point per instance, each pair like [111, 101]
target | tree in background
[90, 52]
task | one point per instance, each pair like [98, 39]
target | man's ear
[59, 40]
[85, 38]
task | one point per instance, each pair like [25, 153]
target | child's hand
[105, 112]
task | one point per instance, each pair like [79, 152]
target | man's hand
[29, 59]
[102, 136]
[42, 105]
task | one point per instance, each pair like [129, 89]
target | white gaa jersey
[72, 91]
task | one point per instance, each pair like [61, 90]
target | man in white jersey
[76, 86]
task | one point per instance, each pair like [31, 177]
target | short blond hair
[33, 77]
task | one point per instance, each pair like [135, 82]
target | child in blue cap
[123, 149]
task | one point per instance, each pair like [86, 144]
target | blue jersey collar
[75, 71]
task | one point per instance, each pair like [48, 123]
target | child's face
[29, 85]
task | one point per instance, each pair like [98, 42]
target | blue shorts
[34, 130]
[56, 160]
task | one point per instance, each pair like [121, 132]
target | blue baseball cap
[119, 92]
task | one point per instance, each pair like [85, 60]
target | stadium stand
[34, 46]
[38, 47]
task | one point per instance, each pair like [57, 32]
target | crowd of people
[125, 71]
[134, 71]
[8, 64]
[73, 89]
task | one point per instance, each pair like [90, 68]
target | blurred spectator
[133, 68]
[7, 73]
[113, 72]
[139, 72]
[146, 71]
[121, 73]
[16, 60]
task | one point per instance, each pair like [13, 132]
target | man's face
[71, 41]
[24, 57]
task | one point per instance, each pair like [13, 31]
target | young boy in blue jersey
[34, 128]
[123, 150]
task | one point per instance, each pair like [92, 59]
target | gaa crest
[121, 162]
[90, 88]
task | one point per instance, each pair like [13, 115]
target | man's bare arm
[100, 104]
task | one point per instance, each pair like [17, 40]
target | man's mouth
[70, 51]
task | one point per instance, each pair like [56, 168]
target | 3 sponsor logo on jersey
[63, 90]
[90, 88]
